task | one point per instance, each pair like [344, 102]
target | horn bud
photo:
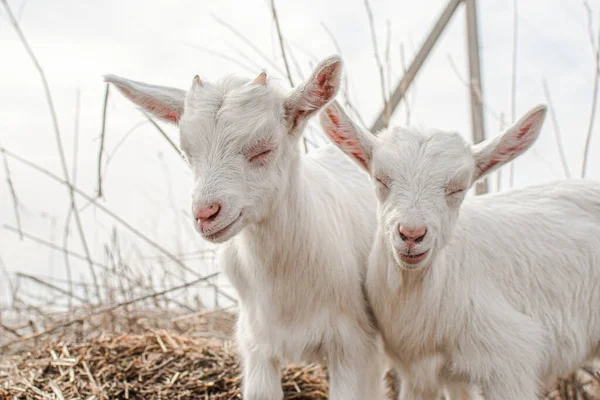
[261, 79]
[197, 82]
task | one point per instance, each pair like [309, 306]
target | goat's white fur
[298, 247]
[507, 297]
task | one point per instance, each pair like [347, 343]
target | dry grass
[154, 365]
[584, 384]
[162, 364]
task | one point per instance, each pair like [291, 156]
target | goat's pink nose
[203, 212]
[412, 234]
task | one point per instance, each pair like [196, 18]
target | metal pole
[407, 79]
[475, 83]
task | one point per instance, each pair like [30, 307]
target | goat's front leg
[411, 392]
[518, 383]
[461, 391]
[420, 379]
[261, 379]
[519, 391]
[357, 372]
[260, 367]
[351, 380]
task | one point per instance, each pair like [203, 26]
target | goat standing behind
[504, 295]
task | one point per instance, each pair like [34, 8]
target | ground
[162, 364]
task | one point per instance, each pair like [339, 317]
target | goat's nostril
[206, 213]
[412, 234]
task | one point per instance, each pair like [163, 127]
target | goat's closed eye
[454, 190]
[261, 155]
[381, 182]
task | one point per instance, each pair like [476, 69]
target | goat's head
[239, 137]
[421, 179]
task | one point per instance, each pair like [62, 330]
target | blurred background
[95, 205]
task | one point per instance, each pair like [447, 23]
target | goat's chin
[413, 266]
[226, 232]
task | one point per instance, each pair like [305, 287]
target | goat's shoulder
[545, 205]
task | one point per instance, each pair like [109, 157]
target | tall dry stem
[102, 136]
[13, 194]
[557, 134]
[382, 80]
[57, 134]
[513, 85]
[596, 50]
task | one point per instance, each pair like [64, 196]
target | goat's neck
[408, 281]
[291, 220]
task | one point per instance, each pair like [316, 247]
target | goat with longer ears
[503, 295]
[297, 238]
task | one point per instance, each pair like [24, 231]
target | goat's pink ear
[164, 102]
[314, 94]
[351, 139]
[494, 153]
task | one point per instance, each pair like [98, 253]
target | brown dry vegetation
[155, 365]
[179, 363]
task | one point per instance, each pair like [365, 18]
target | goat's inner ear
[163, 102]
[349, 137]
[315, 93]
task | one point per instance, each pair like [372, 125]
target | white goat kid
[503, 295]
[298, 237]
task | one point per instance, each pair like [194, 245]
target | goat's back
[540, 247]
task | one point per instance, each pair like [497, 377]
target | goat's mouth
[413, 258]
[220, 234]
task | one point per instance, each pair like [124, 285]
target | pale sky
[146, 182]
